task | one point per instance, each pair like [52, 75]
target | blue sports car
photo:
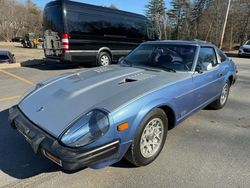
[96, 117]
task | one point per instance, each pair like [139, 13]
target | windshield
[248, 43]
[4, 57]
[162, 56]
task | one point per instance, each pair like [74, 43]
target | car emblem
[40, 109]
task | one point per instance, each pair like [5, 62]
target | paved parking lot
[210, 149]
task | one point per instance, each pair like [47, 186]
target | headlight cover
[87, 129]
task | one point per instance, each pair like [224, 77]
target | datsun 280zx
[96, 117]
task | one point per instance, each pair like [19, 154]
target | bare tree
[17, 19]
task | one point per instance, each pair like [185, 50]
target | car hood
[56, 103]
[246, 46]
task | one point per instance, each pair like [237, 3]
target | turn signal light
[123, 127]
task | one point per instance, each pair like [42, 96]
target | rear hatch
[53, 30]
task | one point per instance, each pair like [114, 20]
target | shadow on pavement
[16, 156]
[43, 65]
[231, 54]
[124, 163]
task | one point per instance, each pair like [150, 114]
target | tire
[140, 155]
[222, 100]
[103, 59]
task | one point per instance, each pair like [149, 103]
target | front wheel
[149, 140]
[222, 100]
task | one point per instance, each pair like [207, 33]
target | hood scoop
[136, 77]
[127, 80]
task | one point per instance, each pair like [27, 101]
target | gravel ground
[22, 54]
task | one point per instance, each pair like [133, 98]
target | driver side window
[207, 59]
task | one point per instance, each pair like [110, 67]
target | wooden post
[225, 24]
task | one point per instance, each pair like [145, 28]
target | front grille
[246, 50]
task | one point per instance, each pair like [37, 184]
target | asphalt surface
[210, 149]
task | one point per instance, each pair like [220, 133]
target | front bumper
[45, 144]
[244, 52]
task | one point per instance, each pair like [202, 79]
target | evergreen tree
[197, 11]
[156, 13]
[178, 14]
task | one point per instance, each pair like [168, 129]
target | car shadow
[231, 54]
[17, 158]
[123, 163]
[42, 64]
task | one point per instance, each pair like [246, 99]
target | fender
[147, 108]
[136, 116]
[104, 49]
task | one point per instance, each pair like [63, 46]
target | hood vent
[127, 80]
[136, 77]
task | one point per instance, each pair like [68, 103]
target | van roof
[96, 7]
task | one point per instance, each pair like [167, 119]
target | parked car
[7, 57]
[78, 32]
[17, 39]
[95, 117]
[245, 49]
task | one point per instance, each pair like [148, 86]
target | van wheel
[104, 59]
[149, 140]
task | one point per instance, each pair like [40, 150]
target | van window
[104, 24]
[53, 19]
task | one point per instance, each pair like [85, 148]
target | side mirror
[207, 66]
[121, 59]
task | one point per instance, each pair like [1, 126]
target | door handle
[221, 74]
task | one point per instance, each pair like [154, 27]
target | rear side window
[222, 56]
[4, 57]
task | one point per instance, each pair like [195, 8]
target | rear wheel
[222, 100]
[104, 59]
[149, 140]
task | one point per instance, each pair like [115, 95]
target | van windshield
[52, 19]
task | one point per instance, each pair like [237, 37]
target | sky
[136, 6]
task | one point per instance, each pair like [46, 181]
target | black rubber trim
[71, 158]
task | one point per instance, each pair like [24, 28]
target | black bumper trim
[69, 158]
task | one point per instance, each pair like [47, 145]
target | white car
[245, 49]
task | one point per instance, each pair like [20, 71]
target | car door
[207, 80]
